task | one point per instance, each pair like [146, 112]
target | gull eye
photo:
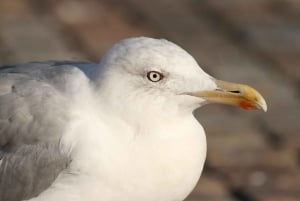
[154, 76]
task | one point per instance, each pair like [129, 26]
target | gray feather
[30, 170]
[33, 115]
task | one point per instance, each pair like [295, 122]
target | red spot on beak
[247, 105]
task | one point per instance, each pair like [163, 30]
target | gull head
[146, 76]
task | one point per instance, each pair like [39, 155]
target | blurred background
[252, 156]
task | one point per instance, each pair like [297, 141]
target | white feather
[131, 139]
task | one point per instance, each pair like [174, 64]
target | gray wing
[33, 115]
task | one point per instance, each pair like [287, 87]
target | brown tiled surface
[252, 156]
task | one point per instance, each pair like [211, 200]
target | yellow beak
[234, 94]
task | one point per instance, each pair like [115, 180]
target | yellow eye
[154, 76]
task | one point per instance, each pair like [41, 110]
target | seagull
[122, 129]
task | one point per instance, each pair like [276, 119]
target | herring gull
[119, 130]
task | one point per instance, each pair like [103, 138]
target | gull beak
[233, 94]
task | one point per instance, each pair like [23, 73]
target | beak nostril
[235, 91]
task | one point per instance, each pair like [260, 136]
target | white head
[145, 76]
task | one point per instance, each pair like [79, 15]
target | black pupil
[154, 75]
